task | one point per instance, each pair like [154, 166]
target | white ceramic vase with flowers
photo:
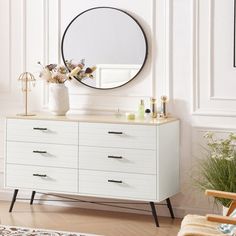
[58, 101]
[56, 76]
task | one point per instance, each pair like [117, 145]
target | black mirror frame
[145, 38]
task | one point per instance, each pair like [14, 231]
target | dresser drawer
[122, 185]
[119, 160]
[117, 135]
[52, 179]
[53, 155]
[42, 131]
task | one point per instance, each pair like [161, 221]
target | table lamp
[27, 81]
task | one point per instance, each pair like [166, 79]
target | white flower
[46, 74]
[230, 158]
[213, 156]
[232, 136]
[208, 135]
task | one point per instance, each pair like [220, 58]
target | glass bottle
[141, 109]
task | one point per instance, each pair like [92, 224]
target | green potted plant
[218, 169]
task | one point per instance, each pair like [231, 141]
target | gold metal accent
[164, 100]
[153, 107]
[27, 81]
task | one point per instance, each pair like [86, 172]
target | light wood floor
[86, 221]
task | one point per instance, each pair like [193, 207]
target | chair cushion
[228, 228]
[195, 225]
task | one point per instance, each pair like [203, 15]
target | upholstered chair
[209, 225]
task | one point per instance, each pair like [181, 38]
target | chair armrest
[221, 194]
[221, 219]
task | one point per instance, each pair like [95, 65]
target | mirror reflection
[104, 47]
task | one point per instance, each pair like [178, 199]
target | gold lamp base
[26, 79]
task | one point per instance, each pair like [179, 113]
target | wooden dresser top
[95, 119]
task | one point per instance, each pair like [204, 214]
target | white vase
[58, 99]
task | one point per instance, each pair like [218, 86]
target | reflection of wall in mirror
[98, 40]
[114, 75]
[89, 81]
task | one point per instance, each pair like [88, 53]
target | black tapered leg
[170, 208]
[13, 199]
[32, 197]
[154, 213]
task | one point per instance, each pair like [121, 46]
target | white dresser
[93, 156]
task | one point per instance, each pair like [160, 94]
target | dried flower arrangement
[78, 70]
[59, 74]
[54, 73]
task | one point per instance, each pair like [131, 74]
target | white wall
[191, 41]
[203, 83]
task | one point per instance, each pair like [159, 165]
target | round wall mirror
[104, 47]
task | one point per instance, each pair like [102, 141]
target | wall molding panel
[206, 52]
[5, 47]
[7, 85]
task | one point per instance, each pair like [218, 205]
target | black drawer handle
[41, 152]
[113, 132]
[115, 157]
[115, 181]
[38, 175]
[42, 129]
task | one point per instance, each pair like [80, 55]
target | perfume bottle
[148, 116]
[153, 107]
[163, 106]
[141, 109]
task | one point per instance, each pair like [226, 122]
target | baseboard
[179, 212]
